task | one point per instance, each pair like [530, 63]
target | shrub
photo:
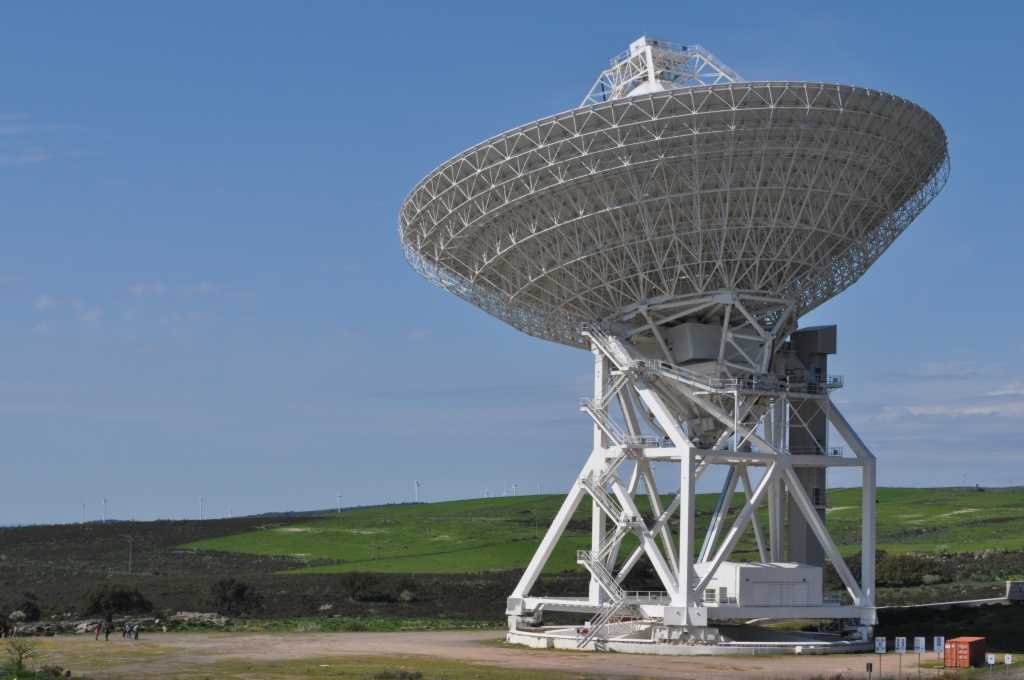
[30, 608]
[231, 597]
[906, 570]
[116, 599]
[398, 675]
[362, 587]
[357, 585]
[19, 651]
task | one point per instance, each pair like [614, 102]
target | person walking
[107, 630]
[99, 627]
[135, 630]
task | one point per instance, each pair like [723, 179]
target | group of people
[129, 631]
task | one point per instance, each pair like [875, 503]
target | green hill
[502, 533]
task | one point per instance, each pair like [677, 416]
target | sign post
[880, 644]
[901, 649]
[1007, 661]
[990, 660]
[939, 645]
[919, 649]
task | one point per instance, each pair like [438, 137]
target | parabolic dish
[787, 188]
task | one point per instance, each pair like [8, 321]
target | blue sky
[202, 293]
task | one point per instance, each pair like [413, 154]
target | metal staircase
[607, 425]
[617, 598]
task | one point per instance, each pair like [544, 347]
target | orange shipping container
[964, 652]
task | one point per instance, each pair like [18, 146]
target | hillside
[459, 559]
[502, 533]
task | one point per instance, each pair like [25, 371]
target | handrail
[647, 595]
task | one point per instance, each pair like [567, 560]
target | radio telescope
[677, 224]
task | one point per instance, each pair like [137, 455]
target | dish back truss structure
[678, 224]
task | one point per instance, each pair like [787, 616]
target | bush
[19, 651]
[30, 608]
[909, 570]
[231, 597]
[116, 600]
[398, 675]
[362, 587]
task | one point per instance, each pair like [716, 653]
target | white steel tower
[678, 224]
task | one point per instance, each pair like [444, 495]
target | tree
[19, 651]
[119, 599]
[30, 608]
[233, 597]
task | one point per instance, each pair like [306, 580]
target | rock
[86, 626]
[201, 618]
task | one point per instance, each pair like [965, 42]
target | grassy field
[155, 661]
[465, 656]
[502, 533]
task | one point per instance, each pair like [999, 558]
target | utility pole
[202, 508]
[416, 490]
[83, 513]
[131, 544]
[339, 502]
[104, 510]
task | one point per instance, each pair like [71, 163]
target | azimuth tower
[677, 224]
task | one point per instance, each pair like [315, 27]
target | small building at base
[762, 584]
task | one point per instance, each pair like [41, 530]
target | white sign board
[1008, 659]
[939, 644]
[919, 645]
[901, 645]
[880, 643]
[990, 659]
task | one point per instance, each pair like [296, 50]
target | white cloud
[143, 289]
[43, 302]
[87, 314]
[932, 413]
[1010, 409]
[204, 288]
[25, 157]
[44, 328]
[1014, 389]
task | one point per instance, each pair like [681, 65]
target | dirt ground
[196, 654]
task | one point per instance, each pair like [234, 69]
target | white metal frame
[657, 61]
[660, 406]
[679, 192]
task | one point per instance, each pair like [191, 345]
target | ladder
[617, 606]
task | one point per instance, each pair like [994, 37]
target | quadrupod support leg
[654, 402]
